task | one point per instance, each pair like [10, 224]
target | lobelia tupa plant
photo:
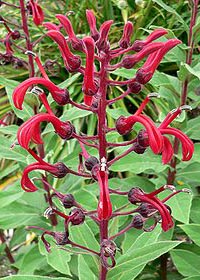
[100, 61]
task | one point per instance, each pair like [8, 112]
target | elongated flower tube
[76, 43]
[72, 62]
[92, 24]
[30, 130]
[130, 60]
[37, 12]
[136, 195]
[126, 36]
[104, 206]
[61, 96]
[145, 73]
[89, 87]
[167, 151]
[138, 45]
[51, 26]
[103, 43]
[58, 170]
[124, 125]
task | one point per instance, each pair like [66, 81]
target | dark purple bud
[143, 138]
[125, 40]
[128, 62]
[108, 250]
[91, 162]
[74, 63]
[146, 210]
[134, 87]
[77, 217]
[68, 130]
[138, 149]
[15, 35]
[143, 77]
[138, 45]
[68, 200]
[61, 238]
[133, 193]
[123, 126]
[108, 247]
[61, 171]
[137, 222]
[62, 98]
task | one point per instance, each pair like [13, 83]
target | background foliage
[144, 251]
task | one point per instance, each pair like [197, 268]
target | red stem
[28, 41]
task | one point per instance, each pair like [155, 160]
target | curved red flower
[37, 12]
[30, 130]
[61, 96]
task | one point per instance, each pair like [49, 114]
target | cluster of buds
[96, 48]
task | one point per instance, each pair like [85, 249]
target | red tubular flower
[89, 87]
[126, 36]
[124, 125]
[136, 195]
[75, 42]
[8, 43]
[30, 130]
[130, 60]
[61, 96]
[51, 26]
[58, 170]
[104, 207]
[145, 73]
[92, 24]
[167, 150]
[138, 45]
[37, 12]
[72, 62]
[102, 43]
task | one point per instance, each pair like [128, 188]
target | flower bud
[143, 139]
[67, 131]
[132, 195]
[123, 127]
[143, 77]
[138, 149]
[108, 248]
[15, 35]
[91, 162]
[68, 200]
[134, 87]
[146, 210]
[137, 222]
[61, 171]
[61, 238]
[77, 216]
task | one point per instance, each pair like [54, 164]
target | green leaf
[57, 258]
[192, 230]
[195, 210]
[33, 277]
[192, 278]
[84, 272]
[186, 262]
[180, 205]
[141, 256]
[16, 214]
[31, 261]
[8, 196]
[192, 129]
[147, 162]
[189, 174]
[83, 235]
[74, 113]
[171, 11]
